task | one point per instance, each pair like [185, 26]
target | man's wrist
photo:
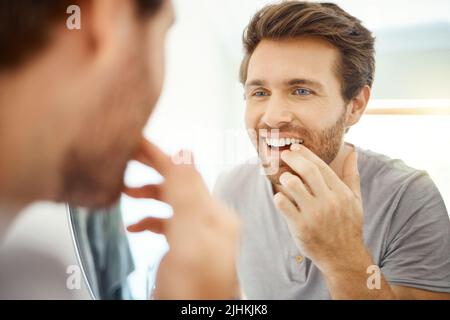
[351, 262]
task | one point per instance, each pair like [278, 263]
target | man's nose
[276, 113]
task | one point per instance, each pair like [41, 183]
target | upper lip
[280, 136]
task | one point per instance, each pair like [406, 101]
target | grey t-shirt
[406, 229]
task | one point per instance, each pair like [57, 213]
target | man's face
[293, 94]
[114, 102]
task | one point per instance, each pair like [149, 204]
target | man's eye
[302, 92]
[259, 93]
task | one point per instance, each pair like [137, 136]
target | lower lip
[279, 149]
[274, 153]
[272, 159]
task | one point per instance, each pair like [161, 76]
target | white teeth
[282, 142]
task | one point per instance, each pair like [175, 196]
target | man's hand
[202, 234]
[323, 212]
[325, 216]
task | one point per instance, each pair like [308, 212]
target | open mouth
[281, 144]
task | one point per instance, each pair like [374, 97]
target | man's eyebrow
[292, 82]
[309, 82]
[255, 83]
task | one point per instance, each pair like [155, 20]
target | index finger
[330, 177]
[150, 155]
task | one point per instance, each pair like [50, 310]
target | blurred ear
[357, 106]
[108, 24]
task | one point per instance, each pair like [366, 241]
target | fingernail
[283, 177]
[284, 154]
[183, 157]
[295, 147]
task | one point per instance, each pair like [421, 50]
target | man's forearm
[351, 280]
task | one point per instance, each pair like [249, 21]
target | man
[73, 106]
[335, 221]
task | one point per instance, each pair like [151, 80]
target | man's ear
[357, 106]
[108, 23]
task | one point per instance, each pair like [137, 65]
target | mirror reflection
[364, 144]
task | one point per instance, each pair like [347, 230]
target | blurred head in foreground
[74, 100]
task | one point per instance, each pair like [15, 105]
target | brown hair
[293, 19]
[25, 25]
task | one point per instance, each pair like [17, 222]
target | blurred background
[202, 107]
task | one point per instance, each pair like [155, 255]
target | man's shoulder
[393, 178]
[378, 168]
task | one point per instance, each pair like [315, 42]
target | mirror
[120, 265]
[115, 263]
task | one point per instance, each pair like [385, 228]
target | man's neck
[338, 163]
[29, 156]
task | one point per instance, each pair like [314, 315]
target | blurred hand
[202, 234]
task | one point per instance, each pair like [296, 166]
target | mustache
[295, 131]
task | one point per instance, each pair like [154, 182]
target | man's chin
[99, 199]
[92, 192]
[90, 182]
